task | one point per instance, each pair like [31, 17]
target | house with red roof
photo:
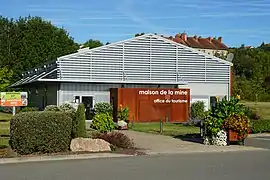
[209, 45]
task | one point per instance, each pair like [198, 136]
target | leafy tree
[5, 76]
[251, 69]
[92, 43]
[31, 41]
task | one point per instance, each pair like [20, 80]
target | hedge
[42, 132]
[260, 126]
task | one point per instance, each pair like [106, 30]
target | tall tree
[5, 76]
[31, 41]
[91, 43]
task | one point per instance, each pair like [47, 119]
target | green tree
[251, 69]
[92, 43]
[5, 76]
[31, 41]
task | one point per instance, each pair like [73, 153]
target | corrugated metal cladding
[147, 59]
[100, 92]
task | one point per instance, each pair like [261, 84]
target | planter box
[234, 137]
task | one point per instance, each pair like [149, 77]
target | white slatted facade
[144, 59]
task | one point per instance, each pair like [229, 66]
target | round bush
[103, 122]
[67, 108]
[52, 108]
[103, 107]
[42, 132]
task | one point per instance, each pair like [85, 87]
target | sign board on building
[13, 99]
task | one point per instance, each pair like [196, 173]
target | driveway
[156, 144]
[249, 165]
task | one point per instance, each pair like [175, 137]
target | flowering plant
[237, 122]
[123, 113]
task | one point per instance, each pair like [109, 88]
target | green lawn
[4, 128]
[168, 129]
[262, 108]
[5, 116]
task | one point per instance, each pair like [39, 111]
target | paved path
[249, 165]
[155, 144]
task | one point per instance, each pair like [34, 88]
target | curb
[206, 151]
[111, 155]
[61, 158]
[259, 135]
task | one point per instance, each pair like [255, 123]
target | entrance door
[88, 103]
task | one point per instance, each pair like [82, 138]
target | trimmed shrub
[103, 107]
[117, 139]
[103, 122]
[67, 108]
[79, 127]
[197, 110]
[29, 109]
[52, 108]
[42, 132]
[260, 126]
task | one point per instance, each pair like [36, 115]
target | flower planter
[233, 136]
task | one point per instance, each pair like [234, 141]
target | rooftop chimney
[196, 38]
[171, 38]
[220, 39]
[177, 36]
[184, 36]
[209, 38]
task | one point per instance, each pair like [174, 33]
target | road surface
[249, 165]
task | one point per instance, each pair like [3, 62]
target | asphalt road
[261, 142]
[205, 166]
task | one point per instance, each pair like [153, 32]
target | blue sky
[237, 21]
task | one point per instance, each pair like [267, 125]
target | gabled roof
[54, 69]
[187, 46]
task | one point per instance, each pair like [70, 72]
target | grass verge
[168, 129]
[262, 108]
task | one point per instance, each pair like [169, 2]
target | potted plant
[237, 127]
[123, 114]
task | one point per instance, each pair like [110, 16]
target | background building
[147, 61]
[209, 45]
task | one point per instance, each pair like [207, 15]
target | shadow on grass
[194, 137]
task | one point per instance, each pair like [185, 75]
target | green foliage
[212, 124]
[40, 132]
[260, 126]
[123, 113]
[197, 110]
[79, 127]
[5, 77]
[103, 122]
[103, 107]
[92, 43]
[28, 109]
[52, 108]
[226, 107]
[69, 109]
[251, 68]
[215, 117]
[31, 41]
[117, 139]
[237, 122]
